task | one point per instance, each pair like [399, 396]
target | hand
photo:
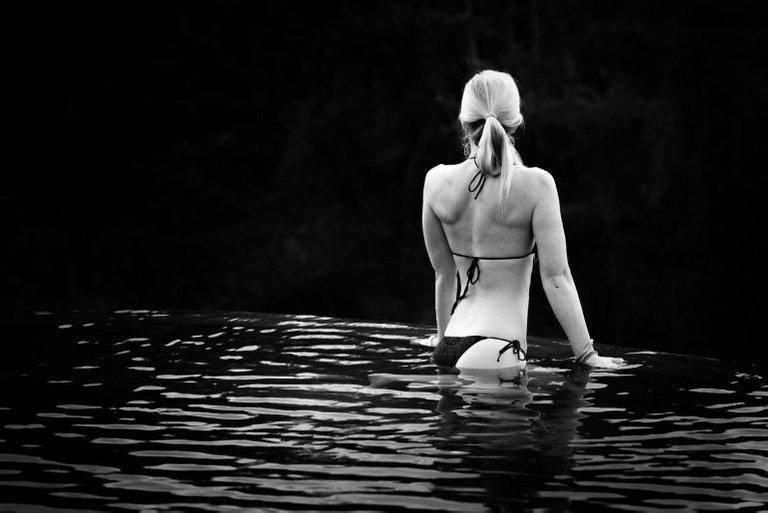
[604, 362]
[433, 340]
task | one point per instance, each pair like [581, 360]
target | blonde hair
[490, 114]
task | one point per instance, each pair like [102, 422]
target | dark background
[235, 155]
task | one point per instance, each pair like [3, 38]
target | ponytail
[496, 155]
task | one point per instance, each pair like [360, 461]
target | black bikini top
[473, 272]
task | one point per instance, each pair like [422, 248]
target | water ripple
[148, 410]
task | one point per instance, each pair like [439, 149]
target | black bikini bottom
[449, 349]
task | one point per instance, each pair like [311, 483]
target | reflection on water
[150, 410]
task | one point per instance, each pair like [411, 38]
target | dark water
[146, 410]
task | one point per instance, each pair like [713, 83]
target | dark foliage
[223, 156]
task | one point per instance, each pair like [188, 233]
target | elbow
[445, 269]
[556, 278]
[445, 274]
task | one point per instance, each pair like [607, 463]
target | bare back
[497, 303]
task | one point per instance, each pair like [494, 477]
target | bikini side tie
[516, 350]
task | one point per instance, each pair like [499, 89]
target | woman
[484, 221]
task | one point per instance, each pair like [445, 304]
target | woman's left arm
[440, 256]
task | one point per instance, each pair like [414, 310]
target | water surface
[140, 410]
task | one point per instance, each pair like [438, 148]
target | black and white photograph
[384, 256]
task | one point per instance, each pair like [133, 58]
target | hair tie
[491, 116]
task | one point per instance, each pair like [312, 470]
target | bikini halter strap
[477, 182]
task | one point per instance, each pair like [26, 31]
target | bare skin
[497, 305]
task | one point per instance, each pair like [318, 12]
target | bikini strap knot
[516, 350]
[473, 274]
[477, 182]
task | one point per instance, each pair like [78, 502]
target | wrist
[586, 353]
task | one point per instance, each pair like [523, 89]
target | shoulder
[540, 177]
[540, 182]
[432, 179]
[434, 173]
[439, 176]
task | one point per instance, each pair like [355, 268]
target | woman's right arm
[440, 257]
[556, 274]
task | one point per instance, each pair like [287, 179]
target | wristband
[588, 351]
[586, 356]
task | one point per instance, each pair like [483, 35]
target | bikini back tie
[473, 274]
